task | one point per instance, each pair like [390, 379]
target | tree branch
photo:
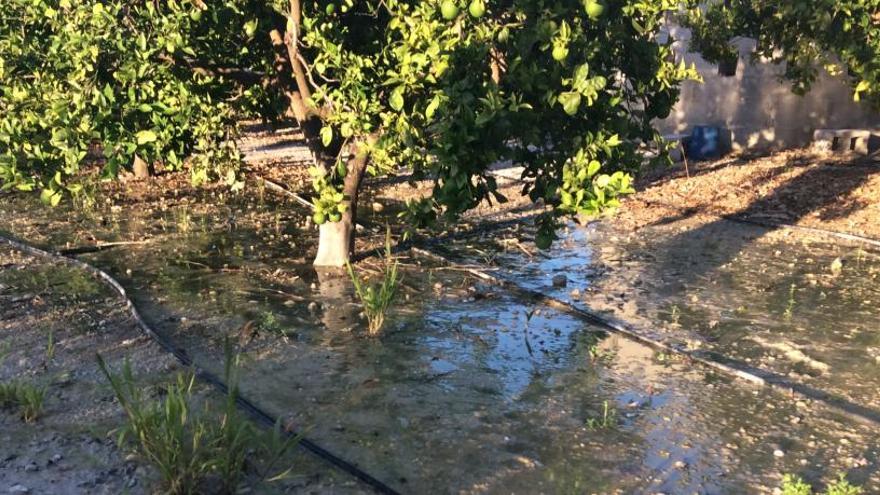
[291, 40]
[243, 76]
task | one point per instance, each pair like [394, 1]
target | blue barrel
[704, 143]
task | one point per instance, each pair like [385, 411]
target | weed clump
[795, 485]
[377, 298]
[26, 397]
[194, 450]
[605, 421]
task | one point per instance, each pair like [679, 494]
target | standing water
[471, 390]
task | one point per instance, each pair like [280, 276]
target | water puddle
[801, 307]
[471, 390]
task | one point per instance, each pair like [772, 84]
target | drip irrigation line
[101, 246]
[765, 223]
[186, 360]
[284, 191]
[708, 359]
[730, 217]
[812, 230]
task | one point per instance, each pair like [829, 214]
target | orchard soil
[667, 262]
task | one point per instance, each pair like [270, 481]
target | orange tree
[124, 80]
[568, 89]
[842, 36]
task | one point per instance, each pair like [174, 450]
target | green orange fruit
[594, 8]
[477, 8]
[560, 53]
[250, 28]
[449, 10]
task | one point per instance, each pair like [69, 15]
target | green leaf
[860, 88]
[145, 137]
[50, 197]
[581, 73]
[326, 135]
[396, 99]
[432, 107]
[571, 102]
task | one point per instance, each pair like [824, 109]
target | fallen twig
[283, 190]
[100, 246]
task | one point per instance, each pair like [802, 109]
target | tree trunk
[337, 312]
[336, 242]
[140, 168]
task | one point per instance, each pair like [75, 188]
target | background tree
[842, 36]
[125, 80]
[566, 88]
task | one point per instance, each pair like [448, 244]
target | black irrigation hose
[730, 217]
[812, 230]
[167, 345]
[710, 360]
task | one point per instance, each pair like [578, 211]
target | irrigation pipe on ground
[258, 414]
[812, 230]
[770, 225]
[709, 360]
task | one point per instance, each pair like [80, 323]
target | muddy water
[467, 393]
[471, 390]
[801, 307]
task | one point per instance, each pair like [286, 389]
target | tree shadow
[820, 191]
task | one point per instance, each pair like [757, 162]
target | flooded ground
[800, 306]
[54, 319]
[471, 390]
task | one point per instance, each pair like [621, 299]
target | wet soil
[472, 390]
[826, 191]
[72, 447]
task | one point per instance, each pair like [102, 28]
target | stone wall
[758, 110]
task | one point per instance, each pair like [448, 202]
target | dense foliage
[568, 89]
[122, 78]
[840, 35]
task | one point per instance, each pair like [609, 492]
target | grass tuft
[377, 298]
[193, 450]
[27, 398]
[607, 420]
[795, 485]
[50, 347]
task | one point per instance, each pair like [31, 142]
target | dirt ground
[54, 319]
[832, 192]
[69, 450]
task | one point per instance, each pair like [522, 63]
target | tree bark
[140, 168]
[336, 240]
[307, 117]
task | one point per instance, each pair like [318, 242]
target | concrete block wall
[760, 111]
